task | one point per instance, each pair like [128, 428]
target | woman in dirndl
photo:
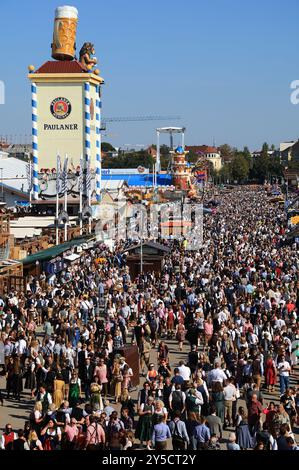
[75, 390]
[180, 334]
[30, 382]
[117, 379]
[144, 427]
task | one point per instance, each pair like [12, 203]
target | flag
[64, 176]
[58, 174]
[73, 168]
[88, 177]
[81, 178]
[29, 176]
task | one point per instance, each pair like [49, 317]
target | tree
[239, 168]
[211, 171]
[260, 167]
[106, 147]
[225, 173]
[275, 167]
[227, 152]
[129, 160]
[192, 157]
[164, 150]
[247, 155]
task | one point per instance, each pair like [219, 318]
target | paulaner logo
[2, 92]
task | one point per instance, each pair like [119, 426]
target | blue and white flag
[64, 176]
[88, 177]
[29, 176]
[81, 176]
[58, 174]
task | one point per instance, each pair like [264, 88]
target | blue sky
[225, 66]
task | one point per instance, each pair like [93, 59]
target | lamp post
[287, 189]
[144, 204]
[141, 243]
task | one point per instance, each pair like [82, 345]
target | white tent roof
[22, 232]
[113, 184]
[14, 173]
[71, 257]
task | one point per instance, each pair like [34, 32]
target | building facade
[211, 154]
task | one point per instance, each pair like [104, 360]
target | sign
[60, 108]
[124, 171]
[60, 127]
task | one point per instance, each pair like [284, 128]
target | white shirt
[185, 372]
[229, 392]
[21, 346]
[2, 441]
[85, 334]
[284, 368]
[216, 375]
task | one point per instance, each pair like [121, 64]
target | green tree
[247, 155]
[275, 167]
[129, 160]
[225, 173]
[260, 167]
[227, 152]
[239, 168]
[164, 150]
[192, 157]
[106, 147]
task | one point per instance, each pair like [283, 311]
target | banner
[64, 176]
[29, 176]
[58, 174]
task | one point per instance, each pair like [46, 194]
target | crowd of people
[228, 308]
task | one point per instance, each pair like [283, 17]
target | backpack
[176, 437]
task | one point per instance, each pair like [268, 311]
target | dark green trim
[54, 251]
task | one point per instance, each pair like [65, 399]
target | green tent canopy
[54, 251]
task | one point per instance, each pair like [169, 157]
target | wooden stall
[11, 276]
[152, 255]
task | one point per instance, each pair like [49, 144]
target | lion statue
[87, 50]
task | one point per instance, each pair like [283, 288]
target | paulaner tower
[66, 102]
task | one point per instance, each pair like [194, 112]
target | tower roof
[61, 66]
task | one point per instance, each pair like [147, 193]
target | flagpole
[31, 185]
[89, 204]
[57, 197]
[65, 200]
[57, 228]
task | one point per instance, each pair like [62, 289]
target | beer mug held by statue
[64, 36]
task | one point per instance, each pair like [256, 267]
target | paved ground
[17, 412]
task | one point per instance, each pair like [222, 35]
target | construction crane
[137, 119]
